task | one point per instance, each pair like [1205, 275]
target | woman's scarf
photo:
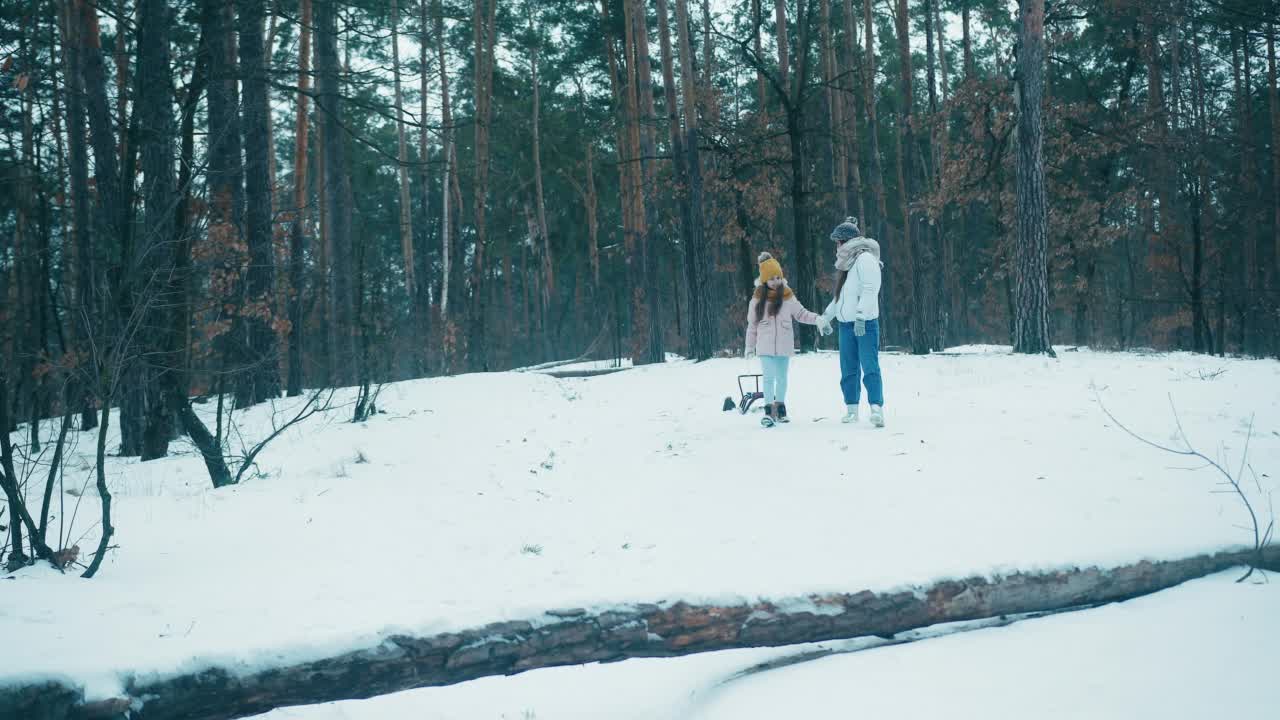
[848, 252]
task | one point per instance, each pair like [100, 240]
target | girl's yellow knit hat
[769, 268]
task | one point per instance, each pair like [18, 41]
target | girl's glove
[824, 325]
[859, 327]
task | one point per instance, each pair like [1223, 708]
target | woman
[857, 308]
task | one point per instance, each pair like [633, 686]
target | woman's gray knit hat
[846, 230]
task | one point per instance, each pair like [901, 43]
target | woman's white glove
[824, 325]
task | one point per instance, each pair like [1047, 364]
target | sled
[747, 397]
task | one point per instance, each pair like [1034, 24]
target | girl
[771, 317]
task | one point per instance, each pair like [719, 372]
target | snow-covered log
[585, 373]
[574, 636]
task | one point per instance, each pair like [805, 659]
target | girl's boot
[767, 420]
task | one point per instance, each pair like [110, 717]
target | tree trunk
[944, 77]
[27, 255]
[967, 42]
[837, 167]
[1201, 207]
[342, 260]
[652, 343]
[161, 305]
[626, 144]
[323, 282]
[104, 494]
[548, 259]
[297, 228]
[225, 174]
[1273, 102]
[1242, 269]
[483, 31]
[1161, 241]
[576, 636]
[261, 381]
[688, 175]
[110, 216]
[855, 196]
[84, 306]
[762, 97]
[906, 157]
[950, 308]
[880, 228]
[406, 209]
[644, 322]
[421, 255]
[1031, 306]
[1252, 236]
[450, 293]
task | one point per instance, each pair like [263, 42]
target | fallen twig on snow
[1261, 537]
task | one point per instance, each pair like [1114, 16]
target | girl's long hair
[761, 294]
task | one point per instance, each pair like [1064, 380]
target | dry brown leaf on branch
[66, 556]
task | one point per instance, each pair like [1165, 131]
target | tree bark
[451, 278]
[421, 255]
[548, 259]
[1031, 307]
[261, 379]
[783, 39]
[224, 175]
[933, 243]
[684, 144]
[162, 306]
[855, 195]
[342, 259]
[880, 227]
[1252, 235]
[110, 211]
[84, 304]
[906, 158]
[402, 156]
[762, 97]
[104, 494]
[652, 341]
[837, 167]
[575, 636]
[484, 32]
[297, 226]
[1273, 102]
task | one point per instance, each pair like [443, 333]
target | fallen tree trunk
[552, 364]
[584, 373]
[570, 637]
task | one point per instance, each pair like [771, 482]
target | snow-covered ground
[482, 498]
